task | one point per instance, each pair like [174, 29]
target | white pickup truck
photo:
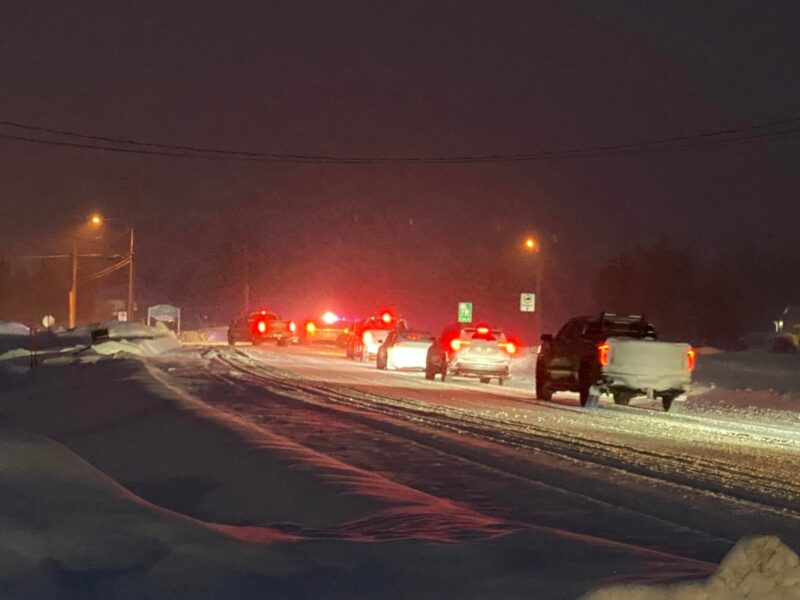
[612, 354]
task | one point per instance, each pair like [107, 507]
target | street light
[532, 246]
[98, 220]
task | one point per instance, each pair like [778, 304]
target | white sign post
[122, 315]
[527, 302]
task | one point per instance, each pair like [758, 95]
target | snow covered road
[689, 481]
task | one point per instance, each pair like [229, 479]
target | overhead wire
[672, 143]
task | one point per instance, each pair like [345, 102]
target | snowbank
[747, 380]
[760, 568]
[7, 328]
[123, 338]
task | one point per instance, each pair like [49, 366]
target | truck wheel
[587, 397]
[380, 361]
[486, 379]
[543, 390]
[622, 398]
[666, 401]
[283, 342]
[444, 372]
[501, 381]
[430, 374]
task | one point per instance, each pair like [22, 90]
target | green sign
[465, 312]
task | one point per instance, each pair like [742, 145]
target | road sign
[122, 315]
[527, 302]
[465, 312]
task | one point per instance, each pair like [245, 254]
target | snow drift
[759, 568]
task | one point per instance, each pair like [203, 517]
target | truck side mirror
[546, 337]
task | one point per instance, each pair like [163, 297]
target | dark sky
[398, 79]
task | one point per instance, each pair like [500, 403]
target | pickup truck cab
[612, 354]
[259, 327]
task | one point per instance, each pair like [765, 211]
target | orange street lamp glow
[530, 244]
[96, 220]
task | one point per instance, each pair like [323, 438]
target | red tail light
[386, 317]
[483, 330]
[456, 344]
[367, 337]
[604, 354]
[311, 327]
[691, 358]
[262, 326]
[510, 347]
[292, 326]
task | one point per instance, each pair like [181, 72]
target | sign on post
[122, 315]
[465, 312]
[527, 302]
[167, 314]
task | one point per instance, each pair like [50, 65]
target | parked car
[612, 354]
[259, 327]
[470, 351]
[404, 350]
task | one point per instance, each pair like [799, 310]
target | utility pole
[131, 316]
[73, 292]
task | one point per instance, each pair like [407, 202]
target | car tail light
[367, 337]
[510, 347]
[604, 354]
[456, 344]
[262, 326]
[311, 327]
[691, 358]
[292, 326]
[386, 317]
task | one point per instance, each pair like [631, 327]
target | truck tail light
[483, 330]
[262, 326]
[604, 354]
[691, 358]
[311, 327]
[292, 326]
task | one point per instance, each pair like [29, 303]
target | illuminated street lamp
[532, 246]
[99, 220]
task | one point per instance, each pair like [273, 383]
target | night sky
[378, 78]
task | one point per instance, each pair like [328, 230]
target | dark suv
[570, 361]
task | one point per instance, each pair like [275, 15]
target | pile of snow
[122, 339]
[760, 568]
[9, 328]
[747, 379]
[206, 335]
[137, 339]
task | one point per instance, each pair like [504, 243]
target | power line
[667, 144]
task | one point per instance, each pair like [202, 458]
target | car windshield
[635, 328]
[261, 316]
[489, 335]
[416, 336]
